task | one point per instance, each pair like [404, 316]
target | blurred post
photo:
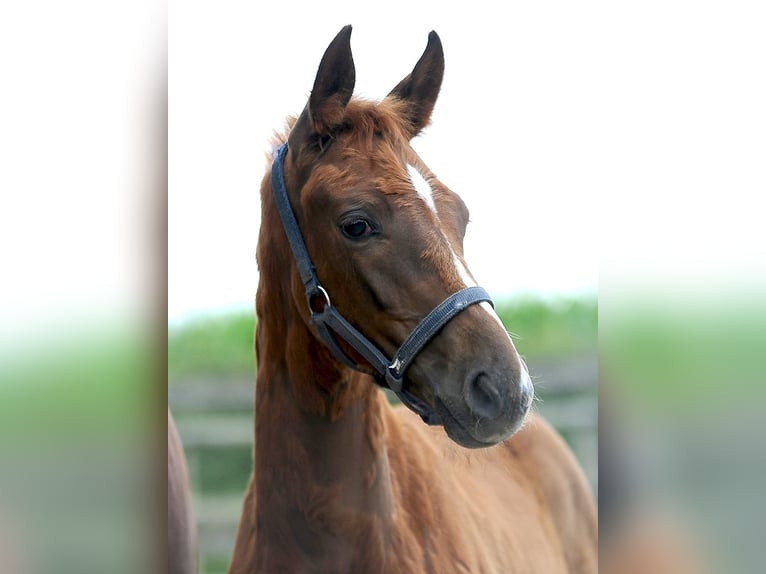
[82, 311]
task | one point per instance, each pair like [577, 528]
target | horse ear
[420, 88]
[332, 89]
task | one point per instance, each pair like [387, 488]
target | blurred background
[598, 140]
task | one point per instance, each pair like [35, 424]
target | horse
[360, 253]
[182, 533]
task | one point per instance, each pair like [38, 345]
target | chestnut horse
[343, 482]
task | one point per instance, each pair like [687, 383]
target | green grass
[223, 469]
[686, 359]
[223, 344]
[79, 385]
[543, 329]
[217, 345]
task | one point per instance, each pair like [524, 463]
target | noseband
[330, 323]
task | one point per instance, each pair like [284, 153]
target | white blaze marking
[424, 190]
[422, 187]
[470, 282]
[462, 271]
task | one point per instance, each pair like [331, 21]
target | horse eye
[357, 229]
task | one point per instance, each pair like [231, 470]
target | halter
[330, 323]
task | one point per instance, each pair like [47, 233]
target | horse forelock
[364, 122]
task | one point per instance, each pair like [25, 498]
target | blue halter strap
[331, 324]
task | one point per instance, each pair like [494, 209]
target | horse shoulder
[465, 511]
[549, 462]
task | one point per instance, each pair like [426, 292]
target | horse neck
[321, 468]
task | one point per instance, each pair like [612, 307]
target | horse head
[385, 237]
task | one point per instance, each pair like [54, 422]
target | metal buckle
[394, 378]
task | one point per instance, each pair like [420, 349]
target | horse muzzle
[491, 409]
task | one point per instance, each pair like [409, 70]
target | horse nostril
[483, 398]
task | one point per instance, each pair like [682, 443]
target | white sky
[594, 142]
[584, 137]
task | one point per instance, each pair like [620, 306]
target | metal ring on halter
[311, 297]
